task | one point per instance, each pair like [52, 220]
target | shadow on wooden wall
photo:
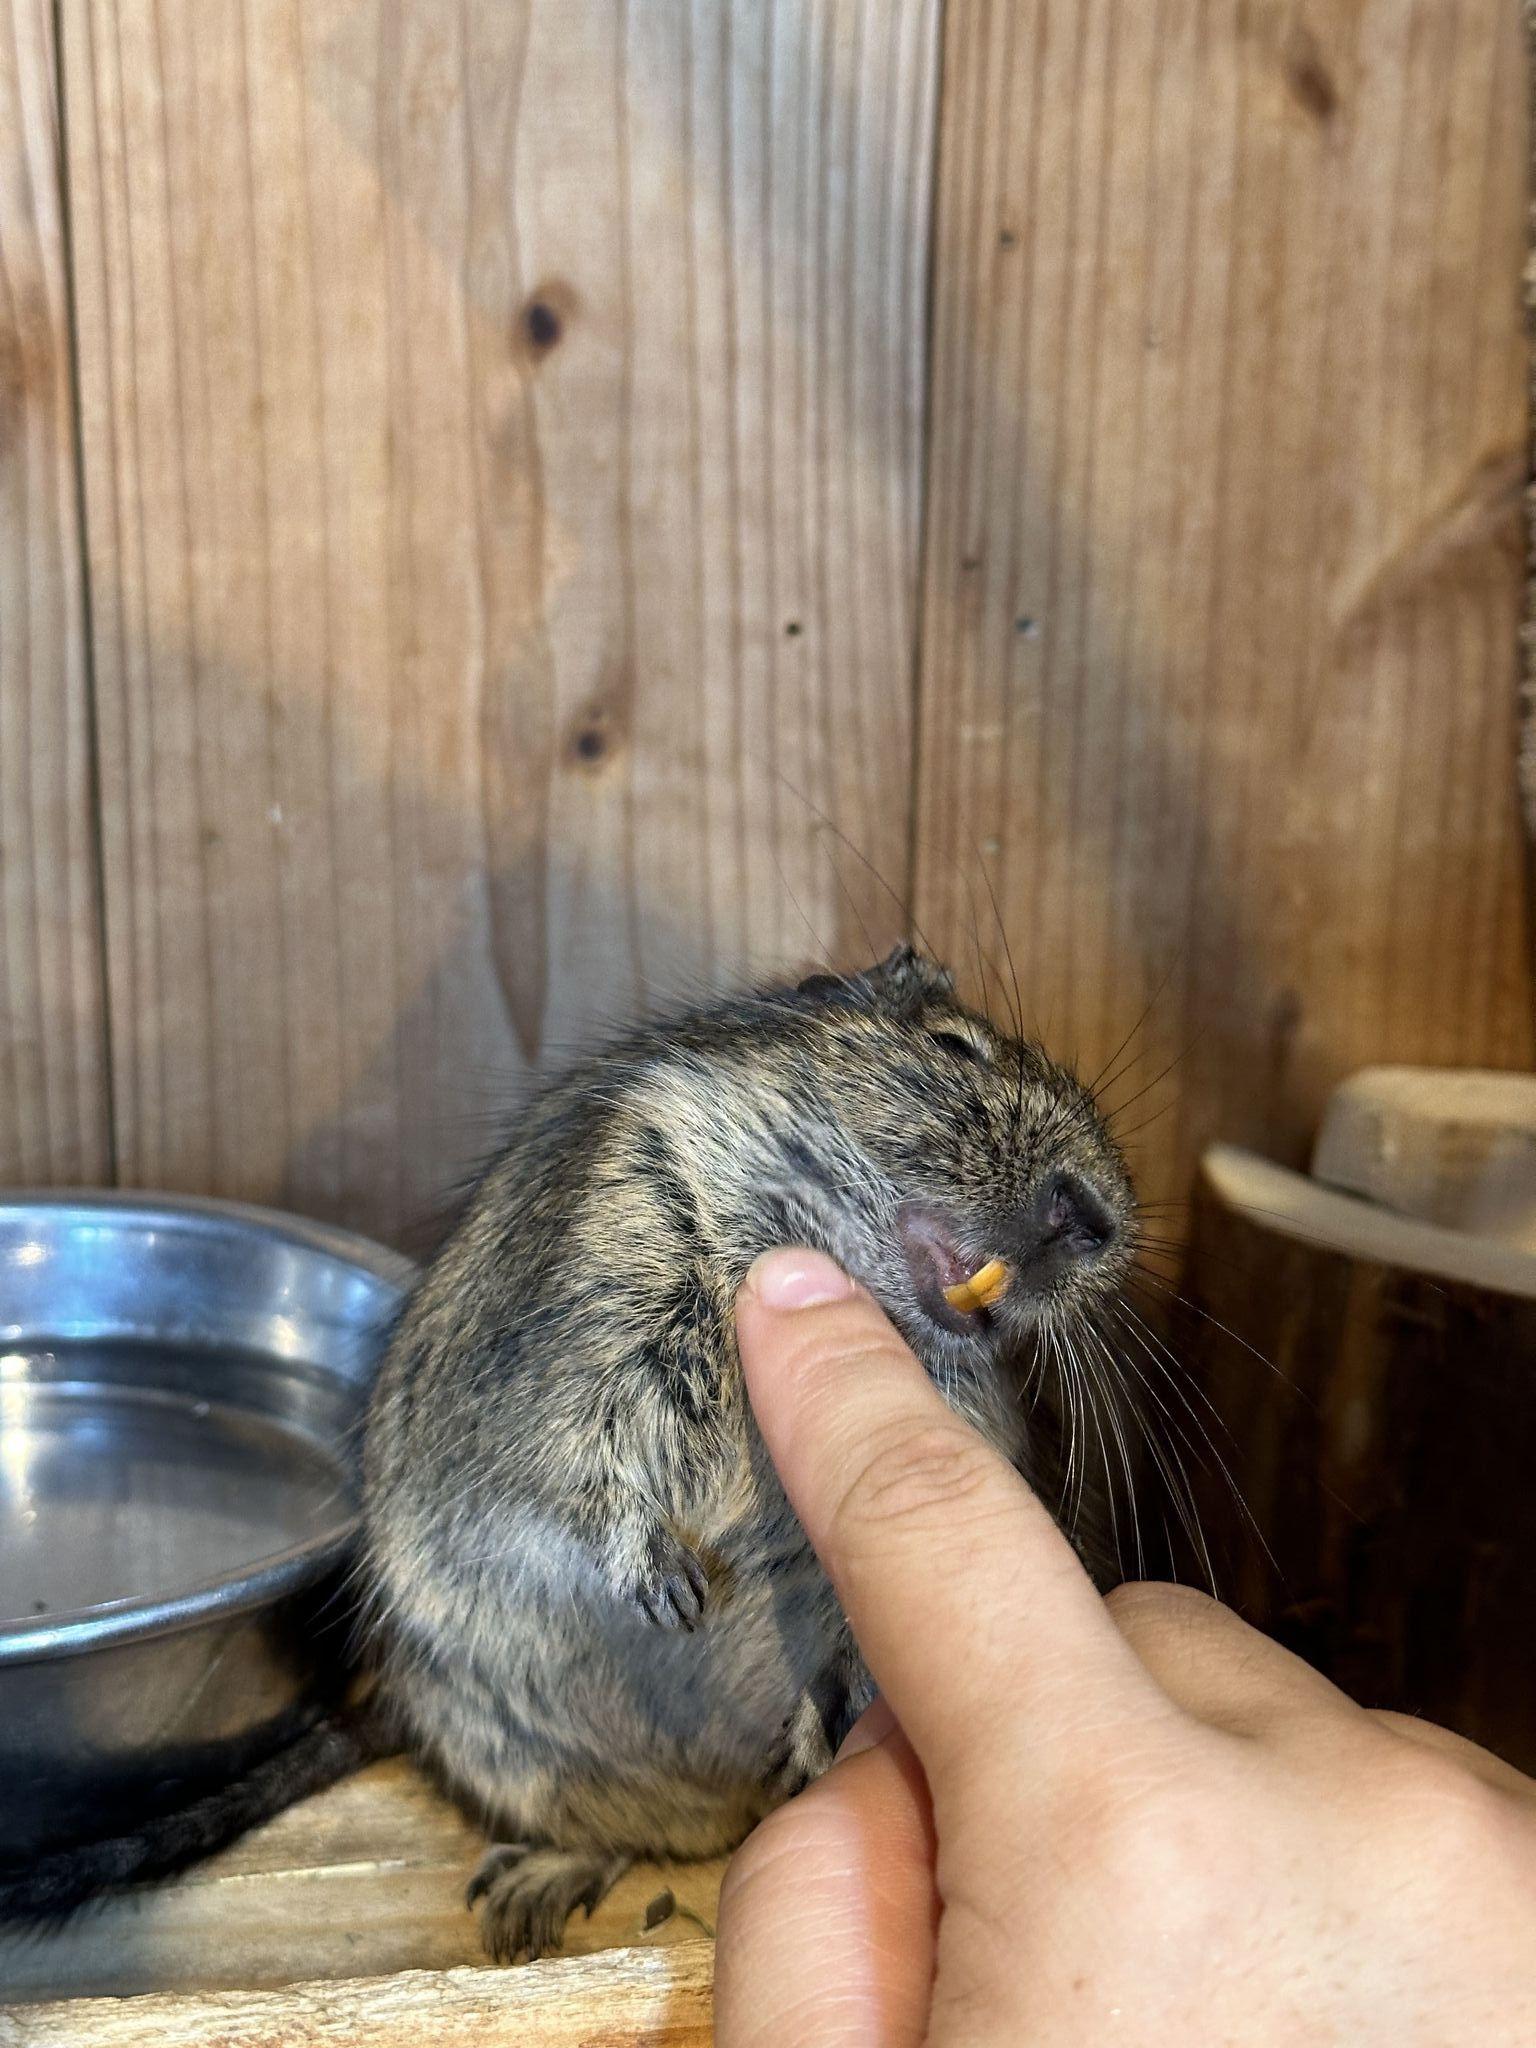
[1223, 573]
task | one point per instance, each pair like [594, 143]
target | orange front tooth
[988, 1284]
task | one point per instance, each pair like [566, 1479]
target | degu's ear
[819, 984]
[906, 979]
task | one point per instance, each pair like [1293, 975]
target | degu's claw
[988, 1284]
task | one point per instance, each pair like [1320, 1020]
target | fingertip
[793, 1277]
[801, 1322]
[875, 1725]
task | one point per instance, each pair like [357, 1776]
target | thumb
[828, 1911]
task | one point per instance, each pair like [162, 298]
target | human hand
[1070, 1820]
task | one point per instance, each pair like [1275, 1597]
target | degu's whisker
[1120, 1108]
[1140, 1335]
[1184, 1383]
[1183, 1301]
[1175, 1475]
[1110, 1392]
[1145, 1124]
[1095, 1403]
[1104, 1078]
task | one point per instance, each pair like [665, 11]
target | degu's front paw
[671, 1584]
[801, 1754]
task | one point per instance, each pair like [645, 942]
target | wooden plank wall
[544, 460]
[1224, 576]
[501, 434]
[53, 1096]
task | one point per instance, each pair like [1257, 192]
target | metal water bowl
[182, 1385]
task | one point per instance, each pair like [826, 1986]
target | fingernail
[872, 1728]
[797, 1279]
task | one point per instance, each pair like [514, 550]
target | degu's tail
[56, 1883]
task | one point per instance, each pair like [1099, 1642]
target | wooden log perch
[656, 1998]
[1382, 1434]
[1455, 1148]
[365, 1880]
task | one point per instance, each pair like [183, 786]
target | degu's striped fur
[592, 1608]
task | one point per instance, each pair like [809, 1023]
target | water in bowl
[129, 1474]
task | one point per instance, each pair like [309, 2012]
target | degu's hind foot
[499, 1857]
[530, 1892]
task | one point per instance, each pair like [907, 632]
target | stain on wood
[1307, 75]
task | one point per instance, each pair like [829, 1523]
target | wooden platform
[290, 1935]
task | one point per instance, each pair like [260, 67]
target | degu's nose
[1065, 1221]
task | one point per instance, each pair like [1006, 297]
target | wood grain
[1528, 630]
[502, 435]
[53, 1108]
[364, 1880]
[1223, 575]
[642, 1998]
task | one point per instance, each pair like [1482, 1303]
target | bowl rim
[267, 1579]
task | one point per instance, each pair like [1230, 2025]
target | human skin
[1072, 1820]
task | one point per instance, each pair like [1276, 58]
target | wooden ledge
[656, 1997]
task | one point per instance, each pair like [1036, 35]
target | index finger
[963, 1594]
